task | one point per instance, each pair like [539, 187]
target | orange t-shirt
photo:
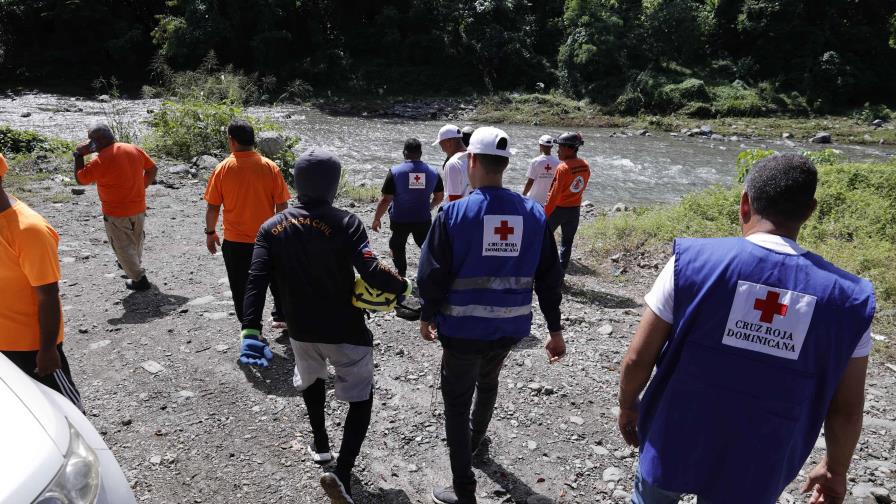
[569, 185]
[3, 166]
[249, 186]
[118, 172]
[28, 259]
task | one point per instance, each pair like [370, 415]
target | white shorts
[353, 364]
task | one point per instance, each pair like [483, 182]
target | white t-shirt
[454, 175]
[661, 298]
[541, 171]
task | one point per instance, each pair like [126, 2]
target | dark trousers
[238, 261]
[464, 376]
[60, 381]
[567, 219]
[399, 240]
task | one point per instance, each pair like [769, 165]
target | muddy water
[632, 170]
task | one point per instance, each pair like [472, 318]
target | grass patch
[854, 227]
[60, 198]
[542, 109]
[357, 193]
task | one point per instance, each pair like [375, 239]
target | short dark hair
[781, 188]
[413, 146]
[241, 132]
[492, 163]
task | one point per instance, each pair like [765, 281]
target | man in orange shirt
[565, 198]
[121, 172]
[31, 330]
[251, 189]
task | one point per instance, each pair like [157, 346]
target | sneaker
[448, 496]
[320, 458]
[138, 285]
[335, 489]
[278, 325]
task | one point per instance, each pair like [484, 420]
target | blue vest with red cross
[415, 182]
[760, 342]
[496, 238]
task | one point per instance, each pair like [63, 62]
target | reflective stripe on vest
[486, 311]
[492, 283]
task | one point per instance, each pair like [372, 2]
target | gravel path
[160, 381]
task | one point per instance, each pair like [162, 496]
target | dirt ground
[198, 428]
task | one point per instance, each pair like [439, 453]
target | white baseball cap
[489, 140]
[546, 140]
[448, 131]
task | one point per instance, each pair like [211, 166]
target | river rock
[605, 330]
[152, 366]
[642, 132]
[877, 123]
[25, 114]
[787, 136]
[706, 130]
[821, 138]
[78, 191]
[881, 495]
[179, 169]
[270, 143]
[613, 474]
[103, 98]
[205, 162]
[717, 137]
[620, 207]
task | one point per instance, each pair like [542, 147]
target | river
[634, 170]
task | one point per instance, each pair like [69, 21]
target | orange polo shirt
[28, 259]
[569, 185]
[3, 166]
[249, 186]
[118, 172]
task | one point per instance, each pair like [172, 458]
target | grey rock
[620, 207]
[269, 143]
[179, 169]
[787, 136]
[717, 137]
[215, 315]
[155, 459]
[205, 162]
[531, 445]
[621, 495]
[577, 420]
[103, 98]
[877, 123]
[202, 300]
[99, 344]
[600, 450]
[706, 130]
[821, 138]
[642, 132]
[25, 114]
[78, 191]
[605, 330]
[539, 499]
[613, 474]
[881, 495]
[185, 394]
[152, 366]
[587, 204]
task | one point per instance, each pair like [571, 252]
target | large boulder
[269, 143]
[205, 162]
[821, 138]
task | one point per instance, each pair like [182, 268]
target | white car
[51, 454]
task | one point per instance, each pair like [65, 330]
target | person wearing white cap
[467, 132]
[541, 171]
[454, 171]
[481, 261]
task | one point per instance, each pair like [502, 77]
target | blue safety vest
[760, 342]
[415, 182]
[496, 238]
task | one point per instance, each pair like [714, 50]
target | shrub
[824, 156]
[870, 113]
[738, 101]
[184, 130]
[13, 141]
[688, 93]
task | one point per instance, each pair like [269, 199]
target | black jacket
[312, 251]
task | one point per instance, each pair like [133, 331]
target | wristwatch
[209, 233]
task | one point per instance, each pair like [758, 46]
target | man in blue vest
[410, 192]
[484, 255]
[756, 343]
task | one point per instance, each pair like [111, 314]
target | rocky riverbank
[159, 377]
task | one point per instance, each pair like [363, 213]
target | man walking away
[315, 249]
[31, 329]
[479, 265]
[466, 133]
[251, 189]
[756, 344]
[541, 171]
[564, 202]
[121, 172]
[410, 192]
[454, 171]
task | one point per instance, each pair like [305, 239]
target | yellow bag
[368, 298]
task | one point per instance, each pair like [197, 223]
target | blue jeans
[645, 493]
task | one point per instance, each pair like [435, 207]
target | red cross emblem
[547, 167]
[416, 178]
[770, 307]
[504, 231]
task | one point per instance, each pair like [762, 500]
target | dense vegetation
[696, 57]
[854, 226]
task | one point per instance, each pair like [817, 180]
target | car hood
[34, 436]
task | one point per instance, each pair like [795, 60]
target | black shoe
[138, 285]
[335, 490]
[448, 496]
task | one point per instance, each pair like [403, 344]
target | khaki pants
[126, 237]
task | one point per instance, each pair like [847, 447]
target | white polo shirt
[661, 298]
[541, 172]
[454, 175]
